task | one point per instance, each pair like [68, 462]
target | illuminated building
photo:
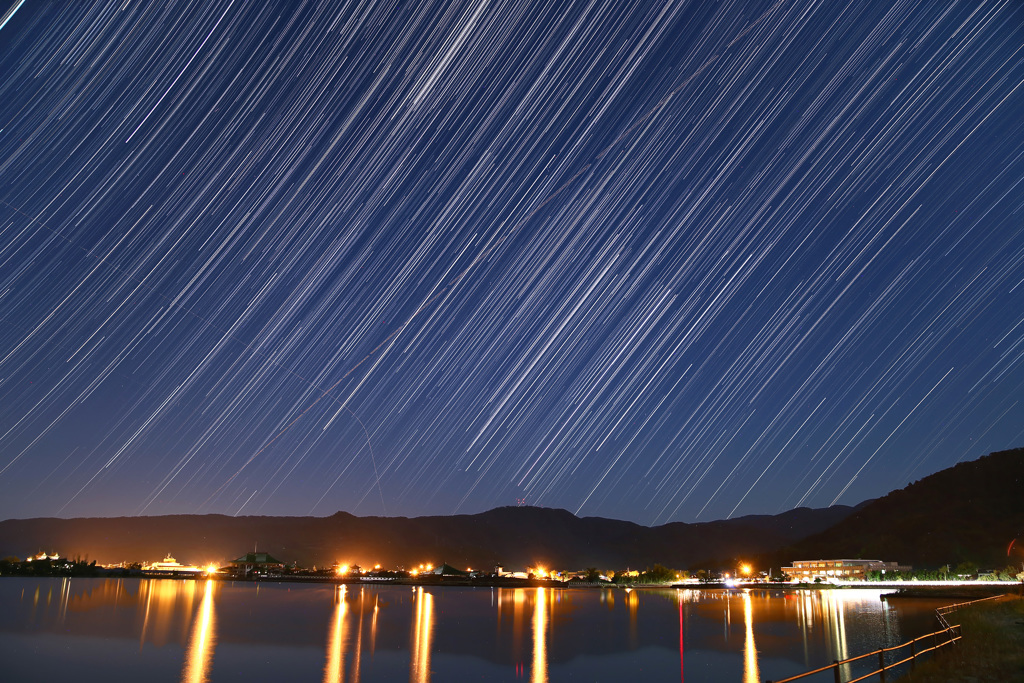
[170, 566]
[847, 570]
[43, 556]
[256, 564]
[446, 569]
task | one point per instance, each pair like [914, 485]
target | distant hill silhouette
[968, 512]
[515, 536]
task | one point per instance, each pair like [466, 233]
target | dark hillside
[515, 536]
[968, 512]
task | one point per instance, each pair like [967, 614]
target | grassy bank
[992, 648]
[954, 594]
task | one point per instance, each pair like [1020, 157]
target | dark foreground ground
[991, 650]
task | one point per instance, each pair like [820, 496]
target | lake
[204, 630]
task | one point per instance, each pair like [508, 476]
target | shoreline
[966, 592]
[953, 591]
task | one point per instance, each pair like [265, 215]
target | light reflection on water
[751, 674]
[540, 637]
[334, 669]
[422, 636]
[220, 631]
[202, 641]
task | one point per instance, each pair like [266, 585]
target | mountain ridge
[968, 512]
[516, 536]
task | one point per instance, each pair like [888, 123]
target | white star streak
[648, 261]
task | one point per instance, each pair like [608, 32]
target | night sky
[656, 262]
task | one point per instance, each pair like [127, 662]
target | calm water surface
[200, 630]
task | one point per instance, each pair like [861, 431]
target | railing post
[951, 631]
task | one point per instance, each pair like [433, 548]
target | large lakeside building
[847, 570]
[170, 566]
[256, 564]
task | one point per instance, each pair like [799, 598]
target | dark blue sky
[648, 261]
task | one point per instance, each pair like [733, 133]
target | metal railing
[941, 612]
[950, 633]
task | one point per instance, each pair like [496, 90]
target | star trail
[653, 261]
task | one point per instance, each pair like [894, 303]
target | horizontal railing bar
[865, 676]
[936, 647]
[951, 631]
[858, 657]
[895, 664]
[904, 661]
[906, 644]
[949, 608]
[897, 647]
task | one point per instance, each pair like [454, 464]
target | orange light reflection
[422, 637]
[334, 667]
[751, 673]
[202, 642]
[540, 637]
